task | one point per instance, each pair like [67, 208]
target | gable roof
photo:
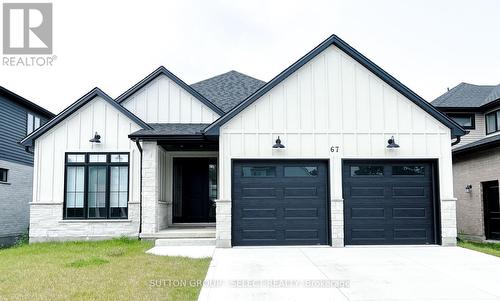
[456, 129]
[26, 103]
[96, 92]
[466, 95]
[227, 90]
[163, 71]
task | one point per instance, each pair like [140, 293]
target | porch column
[223, 223]
[150, 188]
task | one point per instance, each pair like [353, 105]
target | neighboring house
[476, 158]
[301, 160]
[18, 118]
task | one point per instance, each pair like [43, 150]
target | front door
[491, 210]
[195, 190]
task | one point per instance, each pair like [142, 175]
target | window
[259, 171]
[467, 121]
[492, 124]
[367, 170]
[3, 174]
[32, 123]
[408, 170]
[96, 186]
[301, 171]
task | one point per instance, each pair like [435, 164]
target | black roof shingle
[467, 95]
[170, 129]
[227, 90]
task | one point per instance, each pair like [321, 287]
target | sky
[427, 45]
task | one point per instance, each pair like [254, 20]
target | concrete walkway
[368, 273]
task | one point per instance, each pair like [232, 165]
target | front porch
[179, 189]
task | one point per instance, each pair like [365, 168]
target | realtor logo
[27, 28]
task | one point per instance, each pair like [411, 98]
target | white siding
[334, 101]
[164, 101]
[72, 135]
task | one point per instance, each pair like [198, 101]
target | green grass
[488, 248]
[106, 270]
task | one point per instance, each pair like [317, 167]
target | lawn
[488, 248]
[106, 270]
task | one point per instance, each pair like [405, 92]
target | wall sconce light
[96, 139]
[278, 143]
[392, 143]
[468, 188]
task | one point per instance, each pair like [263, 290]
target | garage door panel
[287, 208]
[393, 205]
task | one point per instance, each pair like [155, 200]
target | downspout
[140, 189]
[456, 141]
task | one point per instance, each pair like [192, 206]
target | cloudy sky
[427, 45]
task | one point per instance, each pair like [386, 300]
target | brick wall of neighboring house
[15, 196]
[473, 169]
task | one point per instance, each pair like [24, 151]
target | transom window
[467, 121]
[492, 122]
[96, 186]
[32, 123]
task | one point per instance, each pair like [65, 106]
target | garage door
[388, 203]
[279, 203]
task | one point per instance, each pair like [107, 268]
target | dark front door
[491, 210]
[389, 202]
[280, 202]
[195, 190]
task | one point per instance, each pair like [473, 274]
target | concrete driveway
[367, 273]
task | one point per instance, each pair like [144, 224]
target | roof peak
[226, 73]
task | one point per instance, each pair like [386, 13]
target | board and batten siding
[334, 101]
[72, 135]
[164, 101]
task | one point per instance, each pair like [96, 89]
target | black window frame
[86, 164]
[472, 118]
[497, 127]
[6, 171]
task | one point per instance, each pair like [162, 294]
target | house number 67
[334, 149]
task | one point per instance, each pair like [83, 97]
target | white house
[332, 151]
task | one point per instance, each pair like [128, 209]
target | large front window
[96, 186]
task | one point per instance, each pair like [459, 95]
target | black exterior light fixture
[392, 143]
[468, 188]
[278, 143]
[96, 139]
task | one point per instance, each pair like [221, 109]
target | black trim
[162, 70]
[26, 103]
[497, 127]
[472, 117]
[456, 129]
[96, 92]
[86, 164]
[5, 171]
